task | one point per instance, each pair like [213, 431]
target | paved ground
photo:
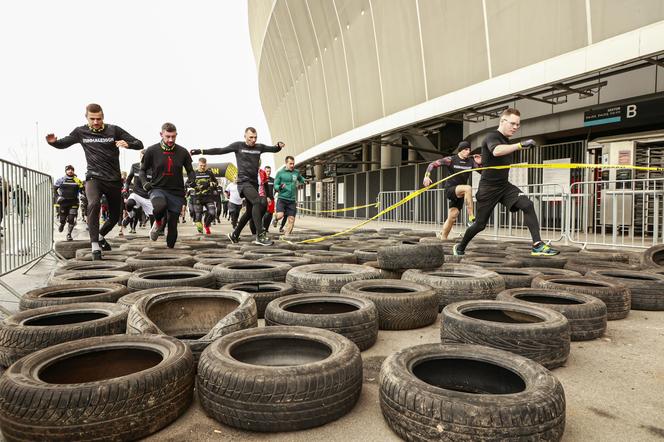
[614, 386]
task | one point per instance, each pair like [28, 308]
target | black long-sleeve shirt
[453, 165]
[247, 158]
[101, 153]
[166, 167]
[134, 175]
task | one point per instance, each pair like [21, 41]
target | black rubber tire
[470, 393]
[458, 282]
[328, 256]
[91, 277]
[67, 249]
[115, 255]
[646, 288]
[586, 314]
[312, 246]
[384, 273]
[113, 404]
[75, 266]
[242, 270]
[653, 257]
[128, 300]
[406, 256]
[263, 292]
[328, 278]
[147, 260]
[162, 248]
[492, 261]
[197, 244]
[536, 333]
[293, 261]
[402, 305]
[348, 246]
[547, 271]
[366, 254]
[135, 245]
[307, 390]
[196, 318]
[264, 252]
[584, 265]
[351, 316]
[71, 294]
[170, 277]
[31, 330]
[527, 260]
[616, 296]
[209, 263]
[515, 277]
[611, 255]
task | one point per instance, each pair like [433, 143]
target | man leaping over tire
[247, 156]
[495, 188]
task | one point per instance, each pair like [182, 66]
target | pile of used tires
[112, 349]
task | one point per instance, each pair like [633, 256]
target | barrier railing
[26, 218]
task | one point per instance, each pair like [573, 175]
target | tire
[128, 300]
[293, 261]
[134, 395]
[170, 277]
[402, 305]
[616, 296]
[208, 264]
[161, 247]
[458, 282]
[469, 392]
[653, 257]
[263, 292]
[586, 314]
[71, 294]
[75, 266]
[115, 255]
[527, 260]
[540, 334]
[312, 246]
[242, 270]
[385, 274]
[67, 249]
[646, 288]
[196, 318]
[354, 317]
[348, 246]
[366, 254]
[611, 255]
[293, 378]
[199, 244]
[328, 278]
[146, 260]
[584, 265]
[492, 261]
[546, 271]
[91, 277]
[266, 253]
[328, 256]
[406, 256]
[515, 278]
[26, 332]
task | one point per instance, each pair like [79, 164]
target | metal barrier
[26, 219]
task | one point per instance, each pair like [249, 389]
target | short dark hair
[168, 127]
[93, 108]
[289, 157]
[250, 129]
[510, 111]
[202, 160]
[268, 167]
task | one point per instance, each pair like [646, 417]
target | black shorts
[289, 208]
[454, 201]
[174, 202]
[489, 195]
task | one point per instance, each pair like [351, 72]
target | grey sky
[145, 62]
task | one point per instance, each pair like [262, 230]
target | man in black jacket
[166, 187]
[68, 188]
[101, 145]
[247, 156]
[204, 185]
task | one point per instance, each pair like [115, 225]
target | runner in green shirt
[286, 185]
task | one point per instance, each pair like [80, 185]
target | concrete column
[389, 156]
[366, 156]
[318, 172]
[375, 156]
[412, 156]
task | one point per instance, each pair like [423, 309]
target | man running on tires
[68, 188]
[457, 189]
[101, 145]
[166, 160]
[247, 156]
[139, 198]
[495, 188]
[204, 199]
[286, 183]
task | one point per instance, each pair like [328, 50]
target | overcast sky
[145, 62]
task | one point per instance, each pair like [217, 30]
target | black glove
[527, 144]
[196, 151]
[147, 186]
[281, 145]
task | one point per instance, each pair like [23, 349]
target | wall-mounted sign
[630, 114]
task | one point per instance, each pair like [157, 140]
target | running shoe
[132, 230]
[207, 230]
[199, 227]
[456, 251]
[281, 231]
[96, 255]
[274, 222]
[105, 245]
[234, 239]
[263, 240]
[471, 220]
[542, 249]
[61, 227]
[69, 238]
[154, 231]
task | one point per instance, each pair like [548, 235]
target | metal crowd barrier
[26, 219]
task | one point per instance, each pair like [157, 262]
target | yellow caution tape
[346, 209]
[418, 192]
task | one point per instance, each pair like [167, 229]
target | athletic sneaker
[96, 255]
[69, 238]
[263, 240]
[542, 249]
[207, 230]
[105, 245]
[281, 231]
[199, 227]
[154, 231]
[456, 251]
[234, 239]
[61, 227]
[274, 222]
[132, 230]
[471, 220]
